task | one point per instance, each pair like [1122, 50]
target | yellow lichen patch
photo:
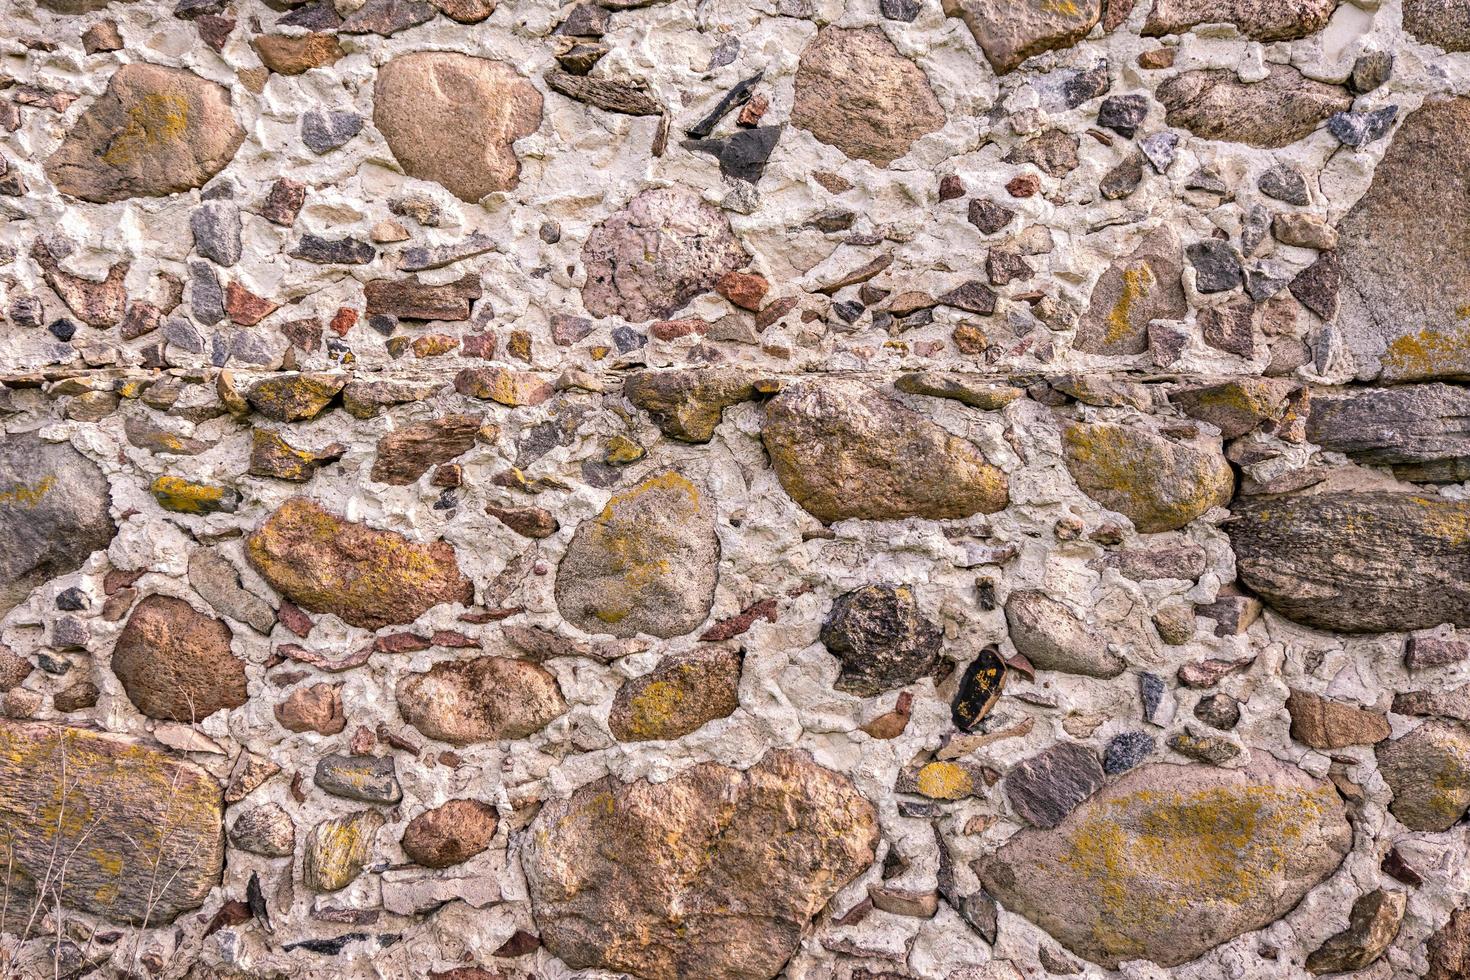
[155, 119]
[1138, 281]
[945, 781]
[1430, 353]
[653, 709]
[621, 451]
[186, 497]
[26, 494]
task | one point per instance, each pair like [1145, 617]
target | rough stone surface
[856, 92]
[1009, 33]
[1047, 787]
[1326, 724]
[607, 868]
[1052, 637]
[1428, 771]
[647, 563]
[155, 131]
[450, 834]
[1158, 484]
[1122, 877]
[882, 637]
[478, 700]
[366, 577]
[1356, 562]
[421, 96]
[1274, 112]
[54, 513]
[1443, 23]
[1131, 292]
[175, 662]
[678, 696]
[650, 258]
[843, 451]
[143, 829]
[1262, 20]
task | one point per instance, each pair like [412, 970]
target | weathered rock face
[1261, 20]
[54, 512]
[421, 96]
[1372, 928]
[155, 131]
[1278, 111]
[1402, 310]
[1052, 637]
[366, 577]
[609, 868]
[143, 831]
[882, 637]
[855, 91]
[1170, 861]
[648, 260]
[450, 834]
[1363, 562]
[175, 662]
[678, 696]
[408, 453]
[1325, 724]
[647, 564]
[1428, 771]
[480, 700]
[1440, 22]
[1132, 291]
[1422, 430]
[1009, 33]
[1158, 484]
[843, 451]
[688, 405]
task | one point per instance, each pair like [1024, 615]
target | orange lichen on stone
[156, 118]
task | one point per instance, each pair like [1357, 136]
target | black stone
[1126, 751]
[1151, 693]
[1316, 287]
[1362, 128]
[972, 297]
[1086, 85]
[882, 639]
[742, 155]
[62, 329]
[1218, 711]
[737, 96]
[1285, 183]
[848, 311]
[320, 16]
[1217, 267]
[71, 600]
[327, 947]
[980, 689]
[1123, 113]
[904, 10]
[627, 339]
[329, 251]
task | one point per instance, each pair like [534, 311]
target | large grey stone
[54, 512]
[1170, 861]
[1277, 111]
[1259, 20]
[1053, 637]
[1421, 430]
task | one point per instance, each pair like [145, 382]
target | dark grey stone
[882, 638]
[206, 298]
[1123, 113]
[323, 130]
[1046, 787]
[1361, 128]
[333, 251]
[1126, 751]
[1285, 183]
[360, 777]
[1217, 267]
[216, 228]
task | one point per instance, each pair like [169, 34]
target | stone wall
[712, 489]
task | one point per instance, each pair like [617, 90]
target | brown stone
[530, 522]
[1428, 771]
[1444, 23]
[408, 453]
[1132, 291]
[661, 250]
[610, 880]
[484, 699]
[504, 386]
[411, 299]
[317, 708]
[450, 834]
[1449, 948]
[366, 577]
[856, 92]
[1158, 484]
[1325, 724]
[422, 96]
[1276, 112]
[175, 662]
[286, 55]
[294, 397]
[1372, 927]
[688, 404]
[678, 696]
[272, 455]
[1259, 20]
[843, 451]
[142, 832]
[96, 303]
[155, 131]
[1010, 31]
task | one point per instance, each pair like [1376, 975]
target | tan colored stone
[1132, 291]
[714, 873]
[155, 131]
[1259, 20]
[1010, 31]
[681, 694]
[1158, 484]
[337, 849]
[856, 92]
[1325, 724]
[1429, 772]
[450, 834]
[452, 118]
[175, 662]
[367, 577]
[484, 699]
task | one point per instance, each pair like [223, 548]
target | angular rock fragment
[295, 54]
[175, 662]
[1356, 562]
[411, 299]
[1422, 430]
[142, 831]
[54, 513]
[98, 304]
[1010, 32]
[1237, 406]
[155, 131]
[979, 690]
[882, 638]
[294, 397]
[1449, 948]
[271, 455]
[1170, 861]
[1372, 927]
[266, 830]
[315, 708]
[324, 130]
[484, 699]
[1325, 724]
[1158, 484]
[366, 577]
[337, 849]
[843, 451]
[662, 249]
[1275, 112]
[604, 93]
[364, 778]
[608, 875]
[1259, 20]
[1052, 637]
[421, 96]
[1443, 23]
[1428, 771]
[646, 564]
[408, 453]
[1132, 291]
[680, 695]
[450, 834]
[1045, 788]
[856, 92]
[688, 404]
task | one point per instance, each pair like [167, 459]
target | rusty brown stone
[175, 662]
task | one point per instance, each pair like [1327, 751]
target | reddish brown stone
[480, 700]
[410, 299]
[284, 202]
[744, 289]
[245, 308]
[531, 522]
[408, 453]
[1024, 185]
[175, 662]
[294, 55]
[98, 304]
[317, 708]
[450, 834]
[503, 385]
